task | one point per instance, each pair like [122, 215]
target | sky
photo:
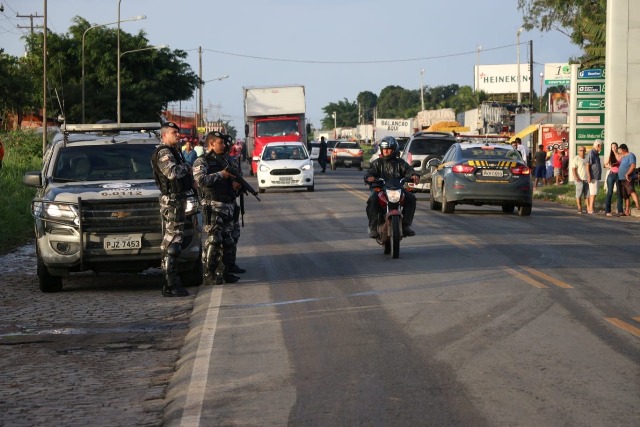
[335, 48]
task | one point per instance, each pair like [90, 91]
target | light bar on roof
[110, 127]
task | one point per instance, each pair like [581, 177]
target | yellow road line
[463, 242]
[548, 278]
[623, 325]
[637, 319]
[525, 278]
[358, 194]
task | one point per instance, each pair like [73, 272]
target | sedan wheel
[447, 207]
[524, 210]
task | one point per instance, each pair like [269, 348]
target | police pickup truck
[97, 205]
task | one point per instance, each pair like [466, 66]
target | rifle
[246, 187]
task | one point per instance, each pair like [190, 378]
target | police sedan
[481, 174]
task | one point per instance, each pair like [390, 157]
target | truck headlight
[57, 212]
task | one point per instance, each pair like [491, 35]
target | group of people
[551, 164]
[217, 189]
[588, 171]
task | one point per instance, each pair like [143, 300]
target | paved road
[485, 319]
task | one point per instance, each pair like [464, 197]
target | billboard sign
[557, 74]
[502, 78]
[393, 127]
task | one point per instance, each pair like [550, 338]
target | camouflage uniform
[218, 201]
[173, 177]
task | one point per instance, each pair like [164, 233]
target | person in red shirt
[557, 166]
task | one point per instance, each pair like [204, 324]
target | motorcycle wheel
[395, 237]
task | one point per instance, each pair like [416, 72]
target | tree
[16, 94]
[367, 101]
[149, 79]
[396, 102]
[583, 21]
[346, 114]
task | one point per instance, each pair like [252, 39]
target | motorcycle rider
[389, 166]
[173, 177]
[218, 197]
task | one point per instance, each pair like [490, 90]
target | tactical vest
[168, 186]
[222, 190]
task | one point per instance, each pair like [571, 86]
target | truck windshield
[277, 128]
[104, 163]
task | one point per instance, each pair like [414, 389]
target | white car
[284, 165]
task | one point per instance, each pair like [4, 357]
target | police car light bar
[110, 127]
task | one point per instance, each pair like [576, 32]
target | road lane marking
[624, 325]
[524, 277]
[192, 412]
[637, 319]
[464, 242]
[358, 194]
[548, 278]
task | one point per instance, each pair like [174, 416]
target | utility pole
[200, 120]
[531, 74]
[31, 27]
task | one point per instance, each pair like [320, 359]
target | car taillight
[521, 170]
[463, 168]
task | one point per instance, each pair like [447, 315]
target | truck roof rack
[109, 127]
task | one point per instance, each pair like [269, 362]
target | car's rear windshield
[348, 145]
[489, 153]
[430, 146]
[104, 162]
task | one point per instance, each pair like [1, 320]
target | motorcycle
[391, 199]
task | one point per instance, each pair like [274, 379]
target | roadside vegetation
[23, 152]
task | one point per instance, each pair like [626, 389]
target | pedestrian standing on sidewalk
[580, 177]
[540, 170]
[594, 174]
[557, 166]
[626, 178]
[613, 163]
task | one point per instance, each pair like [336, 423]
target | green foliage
[22, 153]
[346, 114]
[149, 78]
[583, 21]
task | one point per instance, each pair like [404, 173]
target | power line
[381, 61]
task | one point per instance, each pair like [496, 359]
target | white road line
[198, 382]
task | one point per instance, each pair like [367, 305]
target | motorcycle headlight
[394, 195]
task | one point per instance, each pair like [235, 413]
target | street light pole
[202, 83]
[118, 72]
[135, 18]
[335, 125]
[120, 55]
[541, 80]
[422, 89]
[518, 52]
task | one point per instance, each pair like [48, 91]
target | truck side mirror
[246, 130]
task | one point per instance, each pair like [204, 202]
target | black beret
[170, 125]
[217, 134]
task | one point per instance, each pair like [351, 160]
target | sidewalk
[571, 201]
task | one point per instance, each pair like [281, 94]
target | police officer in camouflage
[217, 189]
[175, 180]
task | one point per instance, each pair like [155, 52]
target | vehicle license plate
[126, 242]
[494, 173]
[285, 180]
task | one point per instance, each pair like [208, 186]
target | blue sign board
[594, 73]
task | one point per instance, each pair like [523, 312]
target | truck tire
[48, 283]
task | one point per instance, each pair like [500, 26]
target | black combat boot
[172, 286]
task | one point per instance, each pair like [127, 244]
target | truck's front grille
[121, 217]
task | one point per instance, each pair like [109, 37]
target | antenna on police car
[62, 115]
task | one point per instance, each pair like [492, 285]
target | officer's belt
[221, 199]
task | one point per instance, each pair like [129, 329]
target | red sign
[552, 138]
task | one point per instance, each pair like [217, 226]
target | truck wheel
[48, 283]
